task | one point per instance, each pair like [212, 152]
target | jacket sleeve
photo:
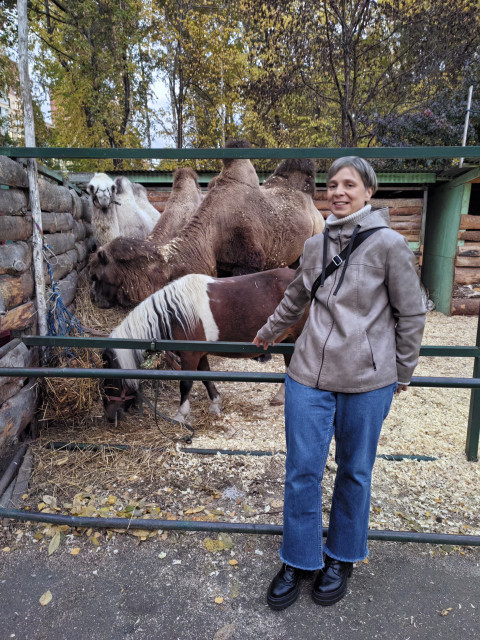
[408, 307]
[290, 309]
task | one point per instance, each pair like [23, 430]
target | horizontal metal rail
[213, 347]
[88, 446]
[473, 426]
[177, 154]
[228, 527]
[214, 376]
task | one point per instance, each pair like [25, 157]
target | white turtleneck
[333, 221]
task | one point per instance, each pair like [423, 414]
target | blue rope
[60, 321]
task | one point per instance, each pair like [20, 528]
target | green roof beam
[313, 152]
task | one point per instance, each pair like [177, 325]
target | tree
[92, 56]
[204, 63]
[354, 58]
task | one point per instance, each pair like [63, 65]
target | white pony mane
[185, 299]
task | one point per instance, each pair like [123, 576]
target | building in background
[10, 116]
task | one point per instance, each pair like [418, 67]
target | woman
[359, 346]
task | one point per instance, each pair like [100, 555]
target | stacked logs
[466, 297]
[66, 227]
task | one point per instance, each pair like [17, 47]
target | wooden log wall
[466, 290]
[66, 225]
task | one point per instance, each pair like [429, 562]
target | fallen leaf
[41, 505]
[46, 598]
[143, 534]
[75, 551]
[219, 600]
[54, 543]
[226, 539]
[445, 612]
[225, 633]
[234, 590]
[194, 510]
[247, 509]
[214, 545]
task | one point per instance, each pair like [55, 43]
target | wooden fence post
[32, 174]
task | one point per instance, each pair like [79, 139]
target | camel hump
[183, 175]
[296, 173]
[123, 185]
[237, 143]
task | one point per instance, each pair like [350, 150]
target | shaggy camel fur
[239, 228]
[184, 200]
[120, 209]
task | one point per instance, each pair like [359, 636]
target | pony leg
[183, 411]
[213, 394]
[279, 397]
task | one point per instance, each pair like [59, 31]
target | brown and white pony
[197, 307]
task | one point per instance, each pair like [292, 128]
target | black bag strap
[339, 258]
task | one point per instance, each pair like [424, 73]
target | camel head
[100, 189]
[125, 271]
[295, 173]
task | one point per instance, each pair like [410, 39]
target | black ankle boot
[284, 588]
[331, 582]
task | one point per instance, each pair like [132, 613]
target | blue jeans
[312, 416]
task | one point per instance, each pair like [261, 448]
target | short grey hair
[363, 167]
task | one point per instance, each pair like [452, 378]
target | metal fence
[473, 428]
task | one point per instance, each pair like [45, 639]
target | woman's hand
[258, 342]
[401, 387]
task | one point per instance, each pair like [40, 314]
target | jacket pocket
[371, 352]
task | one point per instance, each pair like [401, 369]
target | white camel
[120, 209]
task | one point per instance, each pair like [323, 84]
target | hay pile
[65, 399]
[70, 398]
[100, 320]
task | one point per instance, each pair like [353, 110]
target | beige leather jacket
[368, 335]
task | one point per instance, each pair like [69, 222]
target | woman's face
[346, 192]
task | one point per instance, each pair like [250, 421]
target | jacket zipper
[333, 322]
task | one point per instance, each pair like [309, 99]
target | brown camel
[184, 200]
[239, 228]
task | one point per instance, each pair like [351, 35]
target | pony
[197, 307]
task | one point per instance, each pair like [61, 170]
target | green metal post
[443, 219]
[473, 429]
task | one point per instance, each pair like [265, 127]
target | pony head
[118, 396]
